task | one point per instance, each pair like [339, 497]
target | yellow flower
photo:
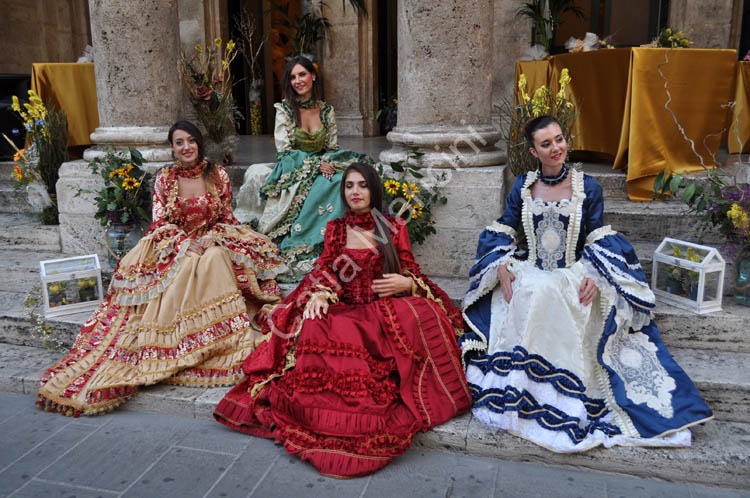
[54, 288]
[130, 183]
[738, 216]
[19, 155]
[416, 211]
[17, 172]
[114, 173]
[693, 256]
[392, 186]
[676, 252]
[395, 101]
[125, 170]
[217, 42]
[230, 46]
[198, 48]
[16, 106]
[81, 283]
[410, 189]
[539, 102]
[522, 89]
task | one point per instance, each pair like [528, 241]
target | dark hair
[535, 124]
[382, 230]
[195, 132]
[289, 93]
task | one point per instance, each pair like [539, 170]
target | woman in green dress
[302, 192]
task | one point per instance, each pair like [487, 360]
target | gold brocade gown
[171, 315]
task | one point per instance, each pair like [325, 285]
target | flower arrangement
[680, 280]
[544, 101]
[411, 197]
[208, 84]
[122, 199]
[672, 38]
[47, 135]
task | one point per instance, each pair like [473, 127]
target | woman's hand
[390, 284]
[588, 291]
[326, 169]
[316, 308]
[198, 247]
[506, 282]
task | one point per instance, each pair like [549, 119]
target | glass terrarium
[71, 285]
[688, 275]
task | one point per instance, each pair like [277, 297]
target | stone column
[136, 62]
[444, 108]
[350, 69]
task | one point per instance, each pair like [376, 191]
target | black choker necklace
[553, 180]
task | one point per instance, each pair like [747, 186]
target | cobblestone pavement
[134, 454]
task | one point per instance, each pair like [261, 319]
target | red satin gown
[348, 392]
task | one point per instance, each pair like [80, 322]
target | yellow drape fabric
[72, 87]
[620, 100]
[700, 82]
[738, 140]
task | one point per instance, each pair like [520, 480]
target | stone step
[20, 268]
[723, 377]
[652, 221]
[725, 330]
[25, 232]
[720, 454]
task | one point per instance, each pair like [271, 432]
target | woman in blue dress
[563, 349]
[302, 192]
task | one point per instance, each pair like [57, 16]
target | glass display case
[71, 285]
[688, 275]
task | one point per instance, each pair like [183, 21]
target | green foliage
[546, 23]
[411, 194]
[123, 198]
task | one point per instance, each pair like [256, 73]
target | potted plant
[39, 163]
[250, 48]
[208, 84]
[86, 289]
[724, 204]
[56, 292]
[123, 202]
[514, 117]
[546, 16]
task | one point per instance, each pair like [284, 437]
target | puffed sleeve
[159, 200]
[497, 244]
[225, 198]
[283, 129]
[609, 257]
[329, 121]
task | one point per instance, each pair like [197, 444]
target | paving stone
[124, 440]
[430, 473]
[306, 482]
[23, 231]
[181, 472]
[52, 489]
[212, 436]
[21, 433]
[250, 470]
[37, 459]
[516, 479]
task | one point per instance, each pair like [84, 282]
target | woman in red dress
[182, 302]
[361, 356]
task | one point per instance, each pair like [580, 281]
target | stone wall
[512, 36]
[42, 31]
[706, 24]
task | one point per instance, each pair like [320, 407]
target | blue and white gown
[547, 368]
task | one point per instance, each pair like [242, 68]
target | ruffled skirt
[362, 382]
[196, 330]
[571, 377]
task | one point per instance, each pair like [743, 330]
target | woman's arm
[283, 128]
